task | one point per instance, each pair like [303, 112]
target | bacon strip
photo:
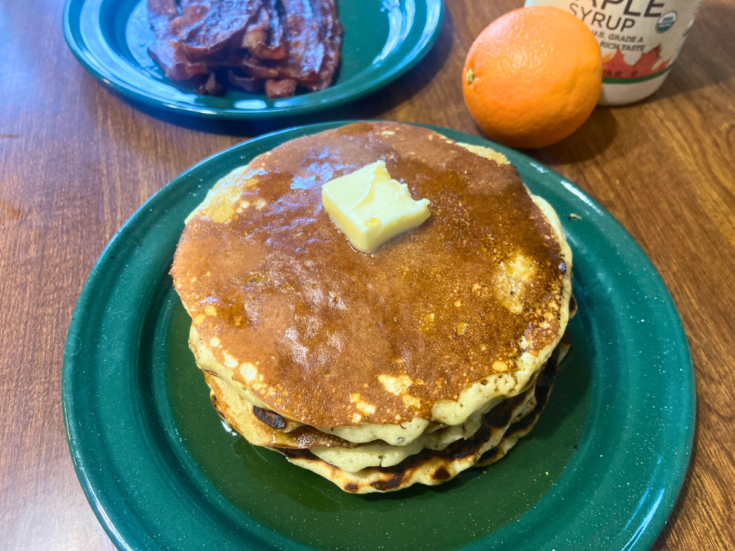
[276, 45]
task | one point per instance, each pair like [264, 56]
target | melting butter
[369, 207]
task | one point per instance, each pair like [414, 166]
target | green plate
[382, 40]
[601, 470]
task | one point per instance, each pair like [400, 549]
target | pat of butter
[370, 207]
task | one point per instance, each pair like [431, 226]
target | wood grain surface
[76, 160]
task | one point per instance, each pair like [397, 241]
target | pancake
[410, 431]
[499, 430]
[377, 371]
[336, 339]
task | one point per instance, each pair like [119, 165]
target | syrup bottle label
[639, 39]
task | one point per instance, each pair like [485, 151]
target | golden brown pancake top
[329, 336]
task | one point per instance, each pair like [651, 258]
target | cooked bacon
[215, 24]
[306, 50]
[283, 88]
[166, 51]
[273, 45]
[213, 87]
[246, 83]
[285, 43]
[331, 36]
[255, 68]
[257, 32]
[174, 63]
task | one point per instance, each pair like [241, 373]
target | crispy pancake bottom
[500, 430]
[265, 428]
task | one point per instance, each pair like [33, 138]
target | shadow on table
[368, 107]
[592, 138]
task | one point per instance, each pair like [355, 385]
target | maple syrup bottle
[639, 39]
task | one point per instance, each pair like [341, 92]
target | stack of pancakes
[432, 355]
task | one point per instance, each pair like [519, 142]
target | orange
[532, 77]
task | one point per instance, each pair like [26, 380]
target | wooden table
[76, 160]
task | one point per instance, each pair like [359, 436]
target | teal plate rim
[92, 51]
[585, 516]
